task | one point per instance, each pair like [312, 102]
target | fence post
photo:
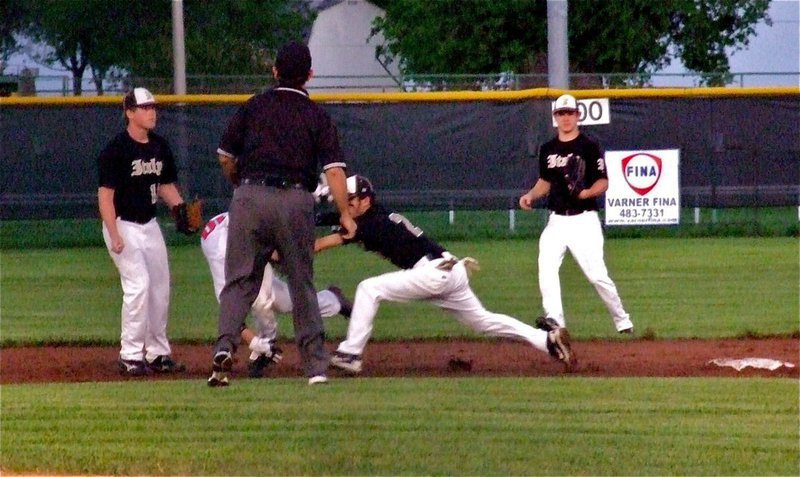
[451, 215]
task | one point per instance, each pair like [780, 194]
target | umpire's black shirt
[282, 134]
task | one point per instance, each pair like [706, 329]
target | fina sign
[643, 187]
[590, 112]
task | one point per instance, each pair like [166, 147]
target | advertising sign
[590, 112]
[643, 187]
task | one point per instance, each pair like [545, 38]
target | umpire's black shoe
[165, 364]
[256, 367]
[346, 305]
[221, 367]
[131, 367]
[545, 323]
[559, 347]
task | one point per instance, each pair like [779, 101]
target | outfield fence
[424, 151]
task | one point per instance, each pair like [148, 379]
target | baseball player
[573, 223]
[273, 296]
[428, 272]
[136, 169]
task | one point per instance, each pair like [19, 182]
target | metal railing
[61, 85]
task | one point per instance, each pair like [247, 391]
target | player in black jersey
[428, 272]
[573, 222]
[136, 169]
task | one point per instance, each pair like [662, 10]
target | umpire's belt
[279, 182]
[569, 212]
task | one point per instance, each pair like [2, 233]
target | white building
[343, 59]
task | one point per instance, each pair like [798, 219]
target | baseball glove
[188, 216]
[574, 174]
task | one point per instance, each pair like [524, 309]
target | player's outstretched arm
[328, 241]
[338, 188]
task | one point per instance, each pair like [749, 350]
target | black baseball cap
[293, 61]
[359, 186]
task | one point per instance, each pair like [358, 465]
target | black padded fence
[481, 154]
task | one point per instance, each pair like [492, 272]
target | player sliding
[428, 272]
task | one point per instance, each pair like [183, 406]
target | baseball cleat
[165, 364]
[218, 379]
[257, 366]
[545, 323]
[346, 305]
[318, 379]
[348, 362]
[221, 367]
[626, 331]
[558, 345]
[131, 367]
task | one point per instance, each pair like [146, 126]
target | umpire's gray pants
[264, 219]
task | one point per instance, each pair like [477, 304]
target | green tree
[81, 34]
[223, 37]
[13, 13]
[134, 37]
[605, 36]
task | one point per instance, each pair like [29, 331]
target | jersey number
[153, 193]
[399, 219]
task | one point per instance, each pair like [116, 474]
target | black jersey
[394, 237]
[553, 157]
[134, 170]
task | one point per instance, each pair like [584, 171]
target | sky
[772, 49]
[775, 48]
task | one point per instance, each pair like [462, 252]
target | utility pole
[557, 44]
[178, 48]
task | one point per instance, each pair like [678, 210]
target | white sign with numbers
[590, 112]
[643, 187]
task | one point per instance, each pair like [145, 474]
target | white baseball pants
[583, 236]
[448, 290]
[144, 274]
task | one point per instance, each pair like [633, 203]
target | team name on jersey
[140, 167]
[554, 160]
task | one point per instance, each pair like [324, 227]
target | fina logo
[641, 171]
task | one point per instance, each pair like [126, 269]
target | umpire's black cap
[293, 61]
[359, 186]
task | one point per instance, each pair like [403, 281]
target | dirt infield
[618, 358]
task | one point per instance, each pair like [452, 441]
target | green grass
[465, 426]
[672, 288]
[467, 225]
[710, 287]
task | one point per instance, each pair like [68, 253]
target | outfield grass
[465, 426]
[714, 287]
[466, 225]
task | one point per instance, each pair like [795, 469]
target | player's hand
[525, 202]
[349, 225]
[117, 244]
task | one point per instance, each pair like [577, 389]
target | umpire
[271, 151]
